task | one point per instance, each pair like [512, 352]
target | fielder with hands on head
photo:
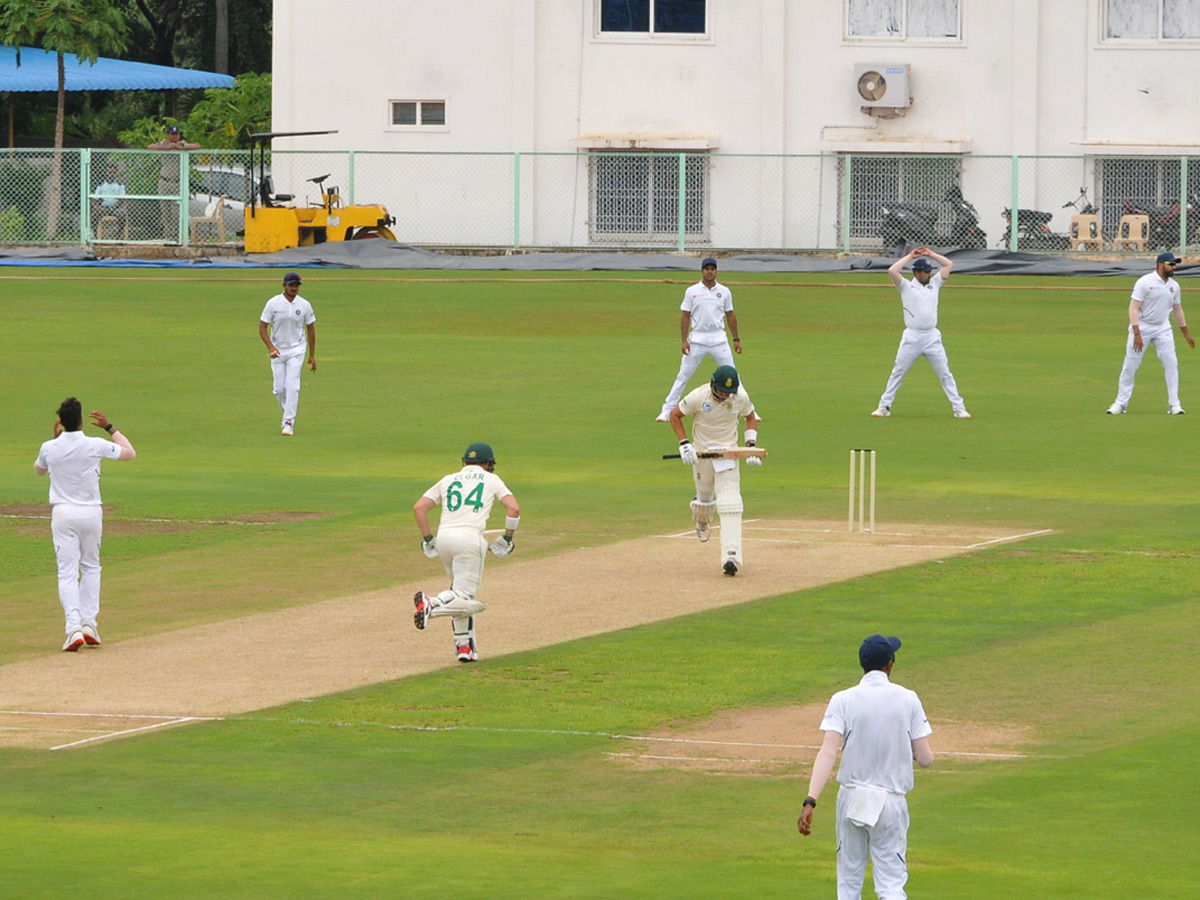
[707, 306]
[466, 497]
[72, 460]
[881, 728]
[1155, 296]
[919, 300]
[715, 409]
[288, 327]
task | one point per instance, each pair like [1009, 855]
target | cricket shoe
[91, 637]
[961, 414]
[1115, 410]
[287, 428]
[74, 641]
[466, 653]
[703, 529]
[882, 413]
[730, 567]
[424, 607]
[1175, 410]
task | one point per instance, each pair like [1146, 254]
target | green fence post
[516, 200]
[1183, 205]
[350, 176]
[85, 190]
[681, 205]
[1013, 215]
[846, 205]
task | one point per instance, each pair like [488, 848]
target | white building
[974, 82]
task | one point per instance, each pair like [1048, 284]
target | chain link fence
[694, 200]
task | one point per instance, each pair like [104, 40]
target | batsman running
[466, 498]
[715, 409]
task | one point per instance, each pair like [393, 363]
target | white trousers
[725, 489]
[1162, 337]
[913, 345]
[77, 531]
[285, 373]
[462, 551]
[885, 844]
[690, 362]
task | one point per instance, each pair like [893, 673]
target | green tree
[223, 120]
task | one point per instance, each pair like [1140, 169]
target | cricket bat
[731, 453]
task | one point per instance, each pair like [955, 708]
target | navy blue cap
[877, 651]
[708, 261]
[921, 264]
[1167, 257]
[291, 278]
[172, 129]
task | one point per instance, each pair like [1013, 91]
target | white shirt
[73, 459]
[878, 722]
[708, 308]
[920, 302]
[466, 497]
[287, 321]
[715, 425]
[1158, 297]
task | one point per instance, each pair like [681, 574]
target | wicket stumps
[859, 456]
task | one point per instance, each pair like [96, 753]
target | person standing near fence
[707, 306]
[1155, 301]
[168, 179]
[72, 460]
[288, 327]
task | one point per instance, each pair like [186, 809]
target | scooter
[1164, 221]
[1033, 226]
[916, 223]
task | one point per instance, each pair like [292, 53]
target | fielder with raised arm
[466, 498]
[715, 409]
[919, 299]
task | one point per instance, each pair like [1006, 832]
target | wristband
[751, 436]
[511, 523]
[737, 340]
[809, 801]
[109, 428]
[427, 538]
[684, 441]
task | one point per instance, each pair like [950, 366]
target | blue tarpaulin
[39, 72]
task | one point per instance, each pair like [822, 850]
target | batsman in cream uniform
[1154, 302]
[293, 331]
[919, 299]
[715, 409]
[466, 498]
[707, 306]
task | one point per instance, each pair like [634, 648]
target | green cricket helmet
[725, 379]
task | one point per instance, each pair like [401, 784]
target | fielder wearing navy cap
[922, 265]
[1167, 257]
[877, 651]
[708, 261]
[291, 278]
[172, 129]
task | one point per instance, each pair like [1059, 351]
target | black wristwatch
[809, 801]
[109, 427]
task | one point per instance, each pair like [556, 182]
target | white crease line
[1015, 537]
[114, 734]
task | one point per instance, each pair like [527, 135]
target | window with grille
[1152, 20]
[878, 181]
[635, 197]
[903, 19]
[1142, 182]
[653, 17]
[418, 114]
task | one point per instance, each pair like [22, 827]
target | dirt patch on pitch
[34, 518]
[782, 741]
[264, 660]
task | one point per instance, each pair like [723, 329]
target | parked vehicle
[1164, 221]
[213, 181]
[1033, 226]
[916, 224]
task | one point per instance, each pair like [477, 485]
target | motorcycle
[1033, 226]
[914, 223]
[1164, 221]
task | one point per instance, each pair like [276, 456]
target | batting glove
[754, 460]
[503, 545]
[429, 547]
[687, 453]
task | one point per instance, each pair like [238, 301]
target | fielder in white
[466, 498]
[1154, 302]
[707, 306]
[715, 409]
[288, 327]
[919, 299]
[881, 728]
[72, 461]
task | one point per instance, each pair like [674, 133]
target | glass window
[1152, 20]
[654, 16]
[901, 19]
[635, 197]
[404, 113]
[433, 113]
[427, 113]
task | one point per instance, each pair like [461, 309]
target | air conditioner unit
[882, 88]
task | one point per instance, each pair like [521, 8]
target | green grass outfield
[495, 780]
